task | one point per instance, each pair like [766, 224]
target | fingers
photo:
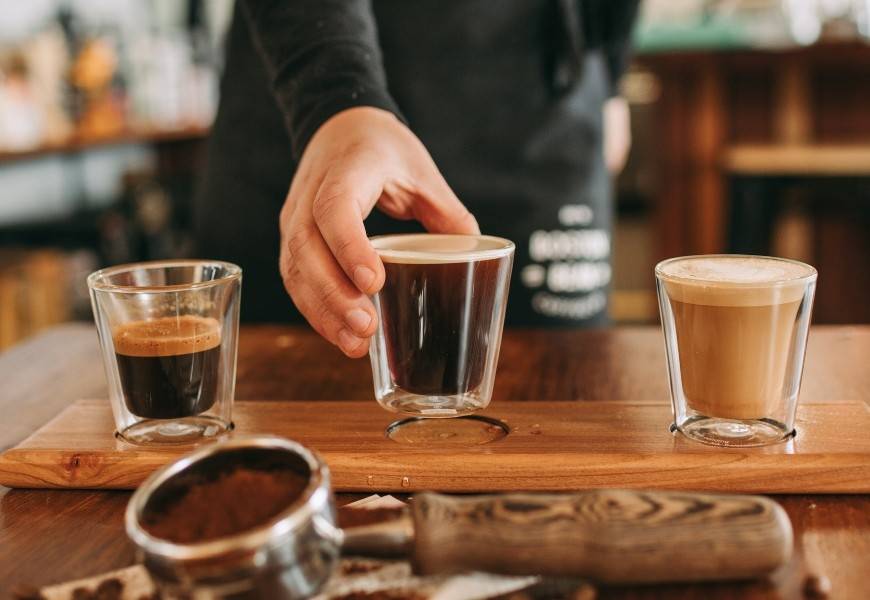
[440, 211]
[341, 204]
[328, 265]
[319, 288]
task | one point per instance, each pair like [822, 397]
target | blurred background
[749, 121]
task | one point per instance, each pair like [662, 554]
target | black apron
[519, 143]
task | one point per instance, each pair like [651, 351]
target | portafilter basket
[290, 556]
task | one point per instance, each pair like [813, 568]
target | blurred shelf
[34, 292]
[722, 34]
[825, 52]
[130, 136]
[78, 229]
[811, 159]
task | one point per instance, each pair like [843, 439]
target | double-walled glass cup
[440, 319]
[735, 330]
[169, 335]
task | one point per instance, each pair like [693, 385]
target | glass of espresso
[168, 332]
[735, 331]
[440, 318]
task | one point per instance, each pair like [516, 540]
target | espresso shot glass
[169, 335]
[735, 329]
[440, 318]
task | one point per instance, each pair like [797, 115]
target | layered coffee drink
[737, 322]
[168, 367]
[169, 333]
[441, 311]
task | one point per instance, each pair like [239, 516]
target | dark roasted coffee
[169, 367]
[437, 319]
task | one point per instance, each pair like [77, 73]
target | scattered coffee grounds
[817, 586]
[585, 592]
[356, 517]
[233, 502]
[27, 592]
[108, 589]
[357, 567]
[552, 588]
[382, 595]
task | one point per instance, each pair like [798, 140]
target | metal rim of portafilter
[289, 556]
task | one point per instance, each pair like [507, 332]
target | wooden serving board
[551, 446]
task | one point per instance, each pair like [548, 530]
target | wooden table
[53, 536]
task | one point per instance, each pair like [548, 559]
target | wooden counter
[53, 536]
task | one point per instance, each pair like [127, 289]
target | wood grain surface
[615, 536]
[49, 536]
[47, 374]
[551, 446]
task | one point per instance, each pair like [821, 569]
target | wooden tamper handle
[615, 536]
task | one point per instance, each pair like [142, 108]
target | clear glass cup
[169, 336]
[735, 330]
[440, 319]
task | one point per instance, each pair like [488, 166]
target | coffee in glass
[168, 366]
[735, 330]
[168, 331]
[441, 312]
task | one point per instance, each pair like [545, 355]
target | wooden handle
[615, 536]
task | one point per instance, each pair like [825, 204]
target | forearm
[322, 57]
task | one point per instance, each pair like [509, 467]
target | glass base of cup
[187, 430]
[734, 433]
[432, 407]
[465, 431]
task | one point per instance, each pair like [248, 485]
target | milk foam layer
[736, 270]
[167, 336]
[427, 248]
[735, 280]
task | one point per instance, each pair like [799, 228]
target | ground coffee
[231, 503]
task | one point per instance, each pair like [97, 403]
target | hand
[617, 134]
[359, 158]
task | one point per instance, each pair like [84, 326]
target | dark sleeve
[322, 57]
[608, 25]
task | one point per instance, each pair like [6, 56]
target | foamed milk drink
[736, 324]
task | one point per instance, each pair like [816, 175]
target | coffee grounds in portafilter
[169, 367]
[436, 320]
[233, 502]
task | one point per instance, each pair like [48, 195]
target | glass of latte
[735, 330]
[168, 332]
[440, 317]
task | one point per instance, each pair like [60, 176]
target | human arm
[354, 154]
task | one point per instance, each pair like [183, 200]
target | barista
[386, 116]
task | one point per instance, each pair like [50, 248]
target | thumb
[439, 210]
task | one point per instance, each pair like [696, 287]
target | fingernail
[358, 319]
[348, 341]
[363, 278]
